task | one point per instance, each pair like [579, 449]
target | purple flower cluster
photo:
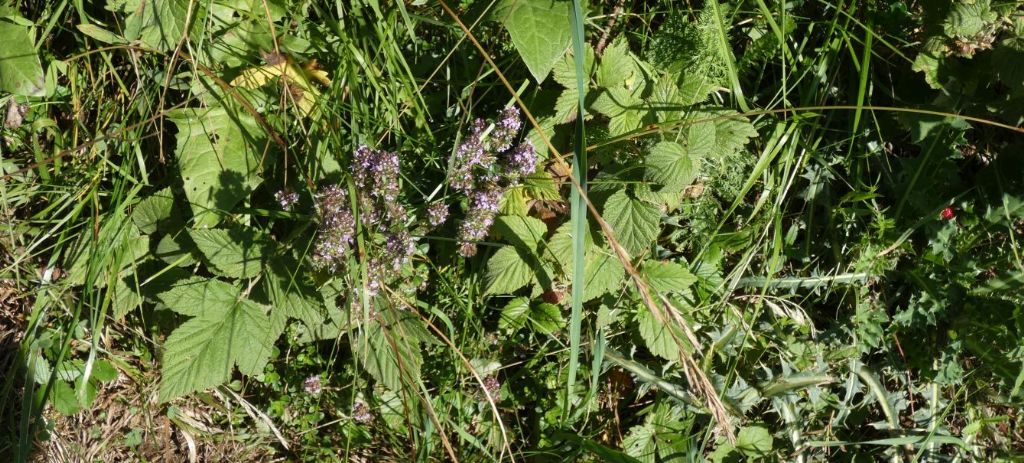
[361, 412]
[376, 177]
[337, 228]
[477, 172]
[286, 198]
[437, 213]
[312, 385]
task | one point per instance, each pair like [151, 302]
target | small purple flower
[522, 160]
[492, 385]
[437, 213]
[361, 412]
[337, 228]
[286, 198]
[312, 385]
[506, 129]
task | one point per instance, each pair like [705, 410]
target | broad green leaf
[388, 352]
[636, 223]
[515, 314]
[623, 106]
[617, 65]
[564, 70]
[674, 166]
[604, 273]
[237, 252]
[177, 249]
[227, 330]
[299, 79]
[546, 318]
[21, 73]
[732, 131]
[667, 276]
[559, 248]
[754, 441]
[289, 297]
[566, 107]
[539, 30]
[523, 232]
[657, 336]
[220, 158]
[153, 210]
[507, 271]
[163, 24]
[968, 19]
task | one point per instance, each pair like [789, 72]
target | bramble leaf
[636, 223]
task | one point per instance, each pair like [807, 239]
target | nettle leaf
[289, 297]
[667, 276]
[657, 336]
[523, 232]
[636, 223]
[155, 209]
[21, 72]
[732, 131]
[236, 253]
[508, 271]
[227, 330]
[603, 273]
[675, 166]
[967, 20]
[539, 30]
[617, 65]
[163, 24]
[623, 106]
[564, 70]
[515, 314]
[559, 247]
[219, 156]
[389, 348]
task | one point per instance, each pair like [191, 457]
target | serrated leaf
[546, 318]
[162, 24]
[566, 107]
[539, 31]
[228, 330]
[968, 19]
[604, 273]
[657, 336]
[21, 72]
[526, 233]
[732, 131]
[754, 441]
[515, 314]
[220, 158]
[235, 253]
[675, 166]
[177, 249]
[624, 108]
[616, 64]
[559, 248]
[636, 223]
[507, 271]
[667, 276]
[289, 297]
[564, 70]
[386, 351]
[155, 208]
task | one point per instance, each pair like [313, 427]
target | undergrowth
[513, 230]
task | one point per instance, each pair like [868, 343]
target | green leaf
[153, 210]
[177, 249]
[515, 314]
[623, 106]
[507, 271]
[674, 166]
[539, 31]
[388, 352]
[162, 24]
[235, 253]
[604, 273]
[227, 330]
[546, 318]
[969, 19]
[100, 34]
[636, 223]
[219, 156]
[667, 276]
[21, 73]
[617, 65]
[657, 336]
[754, 441]
[732, 131]
[559, 248]
[523, 232]
[289, 297]
[564, 70]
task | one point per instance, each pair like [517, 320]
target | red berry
[948, 213]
